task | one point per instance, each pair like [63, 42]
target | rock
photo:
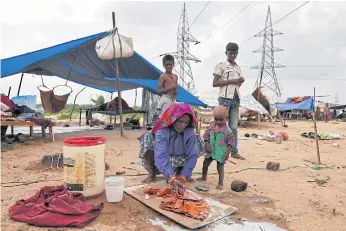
[106, 166]
[120, 173]
[238, 186]
[66, 125]
[273, 166]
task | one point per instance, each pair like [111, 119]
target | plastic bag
[123, 48]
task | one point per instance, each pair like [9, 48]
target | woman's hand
[177, 182]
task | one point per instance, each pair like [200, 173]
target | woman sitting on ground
[175, 144]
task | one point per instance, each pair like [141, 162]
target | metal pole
[20, 83]
[118, 86]
[315, 127]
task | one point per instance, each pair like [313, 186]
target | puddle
[222, 225]
[57, 130]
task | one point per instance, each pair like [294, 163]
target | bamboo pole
[315, 127]
[118, 85]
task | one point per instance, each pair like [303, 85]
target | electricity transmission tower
[267, 77]
[336, 98]
[182, 55]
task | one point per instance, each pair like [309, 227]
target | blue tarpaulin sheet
[307, 104]
[78, 62]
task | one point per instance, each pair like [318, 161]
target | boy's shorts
[164, 102]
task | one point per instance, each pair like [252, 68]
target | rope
[72, 64]
[264, 169]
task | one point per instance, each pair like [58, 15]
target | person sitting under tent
[170, 147]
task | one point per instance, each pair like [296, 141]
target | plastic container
[84, 165]
[114, 186]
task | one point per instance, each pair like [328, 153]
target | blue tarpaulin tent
[77, 61]
[307, 104]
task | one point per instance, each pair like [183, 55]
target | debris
[203, 188]
[273, 166]
[66, 125]
[336, 145]
[261, 201]
[239, 221]
[320, 182]
[120, 173]
[247, 135]
[106, 166]
[146, 196]
[132, 163]
[238, 186]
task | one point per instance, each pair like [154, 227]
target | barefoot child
[218, 140]
[168, 83]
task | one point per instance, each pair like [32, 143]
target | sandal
[237, 156]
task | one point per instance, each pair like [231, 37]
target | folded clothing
[54, 206]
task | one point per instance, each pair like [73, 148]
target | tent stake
[20, 84]
[315, 127]
[118, 86]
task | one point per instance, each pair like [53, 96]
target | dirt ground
[291, 201]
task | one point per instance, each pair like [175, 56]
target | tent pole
[20, 83]
[110, 116]
[74, 103]
[118, 86]
[258, 114]
[315, 127]
[9, 92]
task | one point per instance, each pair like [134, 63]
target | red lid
[85, 141]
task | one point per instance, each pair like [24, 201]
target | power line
[191, 24]
[230, 20]
[266, 27]
[303, 66]
[199, 14]
[276, 21]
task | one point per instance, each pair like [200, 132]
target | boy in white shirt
[228, 77]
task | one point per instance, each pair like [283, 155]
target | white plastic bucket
[114, 186]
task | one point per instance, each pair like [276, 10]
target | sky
[313, 40]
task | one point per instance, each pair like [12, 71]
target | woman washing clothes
[175, 144]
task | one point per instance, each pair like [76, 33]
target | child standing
[228, 78]
[218, 140]
[168, 83]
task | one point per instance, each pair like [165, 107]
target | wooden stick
[118, 86]
[20, 84]
[258, 114]
[74, 103]
[315, 127]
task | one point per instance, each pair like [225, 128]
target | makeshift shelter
[262, 99]
[250, 106]
[297, 103]
[77, 61]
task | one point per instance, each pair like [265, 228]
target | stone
[106, 166]
[273, 166]
[239, 186]
[120, 173]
